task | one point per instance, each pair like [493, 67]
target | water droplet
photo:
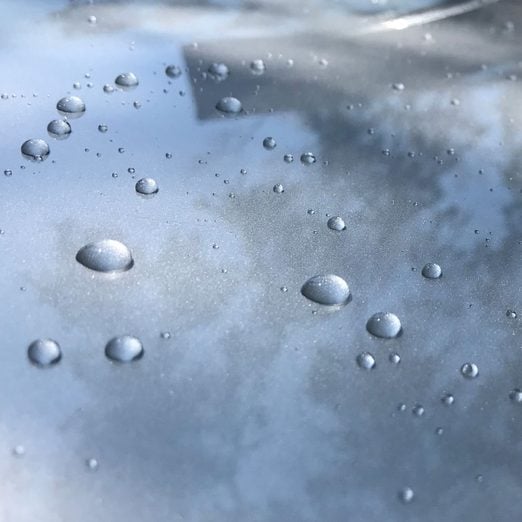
[147, 186]
[366, 361]
[257, 67]
[398, 86]
[479, 478]
[35, 149]
[307, 158]
[103, 128]
[92, 464]
[124, 348]
[269, 143]
[469, 370]
[77, 85]
[44, 352]
[336, 223]
[406, 495]
[288, 158]
[329, 290]
[439, 431]
[107, 255]
[431, 271]
[71, 106]
[384, 324]
[173, 71]
[401, 407]
[278, 189]
[165, 335]
[418, 410]
[447, 399]
[91, 19]
[395, 358]
[18, 451]
[108, 88]
[218, 71]
[229, 105]
[59, 129]
[284, 289]
[8, 172]
[511, 314]
[516, 395]
[126, 80]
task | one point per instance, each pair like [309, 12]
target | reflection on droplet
[469, 370]
[431, 271]
[516, 395]
[147, 186]
[126, 80]
[278, 189]
[44, 352]
[257, 66]
[124, 348]
[59, 129]
[35, 149]
[307, 158]
[336, 223]
[71, 106]
[229, 105]
[328, 289]
[269, 143]
[384, 324]
[218, 71]
[366, 361]
[447, 399]
[173, 71]
[107, 255]
[406, 495]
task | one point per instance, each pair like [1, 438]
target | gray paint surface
[254, 408]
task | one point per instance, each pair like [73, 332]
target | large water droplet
[329, 290]
[126, 80]
[71, 106]
[307, 158]
[147, 186]
[35, 149]
[406, 495]
[218, 71]
[59, 129]
[384, 324]
[336, 223]
[44, 352]
[366, 361]
[229, 105]
[124, 348]
[107, 255]
[431, 271]
[469, 370]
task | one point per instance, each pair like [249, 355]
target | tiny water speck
[124, 348]
[326, 289]
[44, 352]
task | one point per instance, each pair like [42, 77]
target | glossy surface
[253, 407]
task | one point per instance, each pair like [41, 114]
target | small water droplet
[77, 85]
[516, 395]
[59, 129]
[469, 370]
[418, 410]
[126, 80]
[8, 172]
[307, 158]
[92, 464]
[398, 86]
[147, 186]
[35, 149]
[431, 271]
[218, 71]
[284, 289]
[165, 335]
[108, 88]
[336, 223]
[288, 158]
[92, 19]
[103, 128]
[18, 451]
[257, 67]
[44, 352]
[447, 399]
[329, 290]
[406, 495]
[366, 361]
[124, 348]
[401, 407]
[278, 189]
[269, 143]
[395, 358]
[229, 105]
[71, 106]
[511, 314]
[384, 324]
[107, 255]
[439, 431]
[479, 478]
[173, 71]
